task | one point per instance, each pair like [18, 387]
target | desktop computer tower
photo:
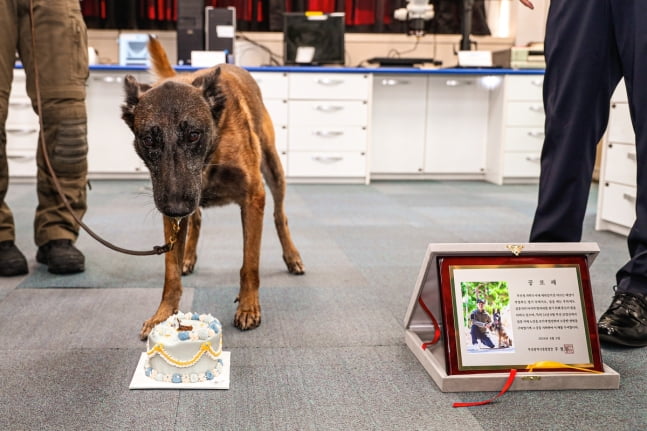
[190, 29]
[220, 29]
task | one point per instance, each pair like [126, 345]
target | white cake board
[141, 381]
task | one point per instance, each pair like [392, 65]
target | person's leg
[474, 331]
[61, 51]
[625, 322]
[582, 70]
[486, 340]
[12, 261]
[8, 40]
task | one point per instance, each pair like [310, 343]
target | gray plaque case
[419, 328]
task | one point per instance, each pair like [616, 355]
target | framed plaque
[509, 312]
[479, 311]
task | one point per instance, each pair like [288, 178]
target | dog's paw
[188, 266]
[246, 319]
[148, 325]
[295, 265]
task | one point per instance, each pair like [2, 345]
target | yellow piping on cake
[204, 348]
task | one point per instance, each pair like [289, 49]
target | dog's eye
[194, 137]
[148, 140]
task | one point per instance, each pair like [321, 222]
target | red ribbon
[507, 385]
[434, 321]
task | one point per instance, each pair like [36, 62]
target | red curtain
[251, 14]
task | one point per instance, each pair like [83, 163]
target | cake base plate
[141, 381]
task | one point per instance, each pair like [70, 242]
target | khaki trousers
[61, 49]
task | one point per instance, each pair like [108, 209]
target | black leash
[156, 249]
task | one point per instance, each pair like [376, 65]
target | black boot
[61, 257]
[625, 322]
[12, 261]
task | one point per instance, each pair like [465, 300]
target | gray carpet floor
[330, 353]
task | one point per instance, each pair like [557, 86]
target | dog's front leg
[248, 314]
[172, 275]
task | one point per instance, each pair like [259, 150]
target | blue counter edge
[319, 69]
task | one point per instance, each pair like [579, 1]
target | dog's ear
[210, 85]
[134, 90]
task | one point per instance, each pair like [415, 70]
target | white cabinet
[617, 190]
[428, 126]
[22, 130]
[328, 126]
[110, 141]
[457, 112]
[274, 88]
[399, 125]
[516, 130]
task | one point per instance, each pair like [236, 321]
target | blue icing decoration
[220, 361]
[176, 378]
[195, 316]
[208, 375]
[148, 371]
[183, 335]
[215, 326]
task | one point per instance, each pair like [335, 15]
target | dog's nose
[179, 209]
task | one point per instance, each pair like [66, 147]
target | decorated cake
[185, 348]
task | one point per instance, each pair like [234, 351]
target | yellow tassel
[554, 364]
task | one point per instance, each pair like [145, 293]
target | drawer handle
[533, 159]
[108, 79]
[329, 108]
[20, 105]
[536, 134]
[457, 82]
[327, 133]
[18, 158]
[537, 108]
[329, 81]
[537, 82]
[394, 82]
[22, 131]
[628, 197]
[327, 159]
[631, 156]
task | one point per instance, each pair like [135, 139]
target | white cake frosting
[185, 348]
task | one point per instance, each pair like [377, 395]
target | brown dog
[207, 140]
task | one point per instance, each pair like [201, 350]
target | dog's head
[175, 128]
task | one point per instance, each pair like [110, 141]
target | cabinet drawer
[18, 84]
[524, 87]
[331, 112]
[326, 164]
[521, 165]
[274, 85]
[322, 138]
[281, 139]
[22, 137]
[20, 111]
[278, 110]
[620, 164]
[619, 204]
[22, 163]
[525, 114]
[620, 127]
[620, 93]
[329, 86]
[524, 139]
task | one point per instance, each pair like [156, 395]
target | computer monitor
[313, 38]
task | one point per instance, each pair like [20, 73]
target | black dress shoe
[12, 261]
[625, 322]
[61, 257]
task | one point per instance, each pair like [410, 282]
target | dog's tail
[159, 60]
